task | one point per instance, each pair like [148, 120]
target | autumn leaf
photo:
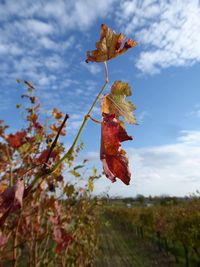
[16, 140]
[56, 129]
[116, 103]
[59, 178]
[62, 238]
[114, 159]
[12, 196]
[44, 154]
[109, 45]
[33, 117]
[69, 190]
[11, 199]
[59, 235]
[91, 184]
[57, 114]
[3, 240]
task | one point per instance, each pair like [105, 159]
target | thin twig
[94, 120]
[70, 151]
[56, 139]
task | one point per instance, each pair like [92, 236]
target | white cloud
[190, 137]
[74, 125]
[38, 42]
[54, 62]
[38, 27]
[48, 43]
[167, 31]
[142, 116]
[67, 14]
[10, 49]
[195, 112]
[92, 68]
[167, 169]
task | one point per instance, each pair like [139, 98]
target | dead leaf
[109, 45]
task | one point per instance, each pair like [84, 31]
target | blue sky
[46, 42]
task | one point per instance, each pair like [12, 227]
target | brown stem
[93, 119]
[15, 243]
[56, 139]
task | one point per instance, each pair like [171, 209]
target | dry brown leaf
[109, 46]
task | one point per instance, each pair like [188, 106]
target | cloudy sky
[46, 42]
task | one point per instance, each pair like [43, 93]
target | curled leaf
[11, 199]
[116, 103]
[114, 159]
[109, 45]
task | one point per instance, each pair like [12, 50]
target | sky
[46, 42]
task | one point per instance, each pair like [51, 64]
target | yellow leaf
[116, 103]
[91, 185]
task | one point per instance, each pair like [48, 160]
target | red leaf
[19, 192]
[38, 126]
[63, 240]
[114, 159]
[11, 199]
[59, 235]
[43, 156]
[16, 140]
[3, 240]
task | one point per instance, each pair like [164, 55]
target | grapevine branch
[71, 149]
[55, 140]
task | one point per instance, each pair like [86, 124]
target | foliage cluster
[46, 219]
[52, 222]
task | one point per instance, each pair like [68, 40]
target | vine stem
[71, 149]
[56, 139]
[87, 116]
[15, 256]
